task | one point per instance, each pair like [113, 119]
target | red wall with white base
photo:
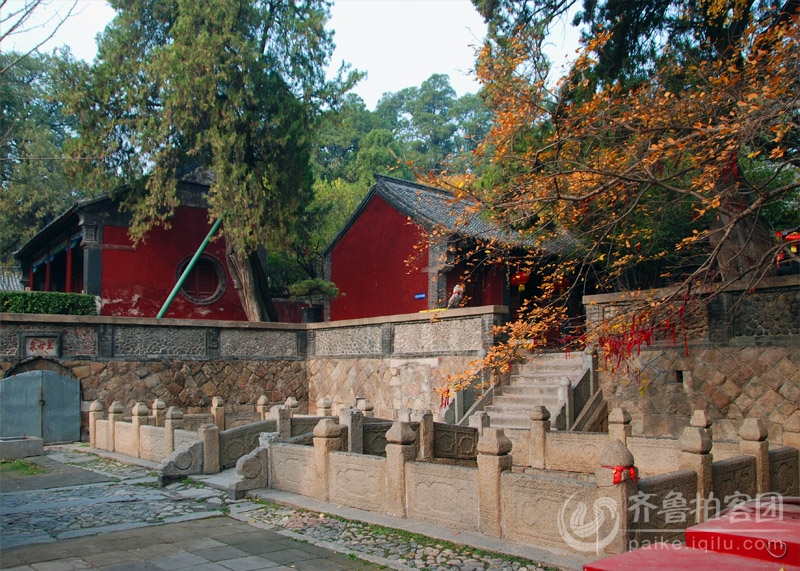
[369, 265]
[137, 280]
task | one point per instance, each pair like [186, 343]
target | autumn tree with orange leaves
[678, 177]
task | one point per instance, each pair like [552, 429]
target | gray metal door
[41, 403]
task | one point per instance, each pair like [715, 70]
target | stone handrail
[499, 502]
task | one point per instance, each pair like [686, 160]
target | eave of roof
[63, 219]
[431, 208]
[192, 174]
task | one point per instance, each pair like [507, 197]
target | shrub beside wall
[50, 303]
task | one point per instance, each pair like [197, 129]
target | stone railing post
[619, 425]
[399, 450]
[283, 418]
[479, 420]
[96, 412]
[791, 433]
[159, 412]
[365, 407]
[218, 412]
[262, 407]
[327, 438]
[695, 446]
[493, 460]
[324, 406]
[353, 420]
[209, 436]
[753, 441]
[115, 412]
[172, 422]
[616, 481]
[566, 402]
[426, 437]
[292, 404]
[540, 424]
[590, 362]
[700, 419]
[138, 418]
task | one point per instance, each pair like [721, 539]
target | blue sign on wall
[420, 296]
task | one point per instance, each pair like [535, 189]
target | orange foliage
[704, 145]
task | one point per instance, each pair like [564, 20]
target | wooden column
[68, 285]
[47, 270]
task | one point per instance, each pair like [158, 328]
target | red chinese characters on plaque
[41, 346]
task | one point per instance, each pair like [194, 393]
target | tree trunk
[250, 281]
[743, 252]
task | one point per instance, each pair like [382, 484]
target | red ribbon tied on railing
[620, 470]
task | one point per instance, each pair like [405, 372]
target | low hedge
[45, 302]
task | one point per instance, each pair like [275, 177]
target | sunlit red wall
[368, 265]
[137, 280]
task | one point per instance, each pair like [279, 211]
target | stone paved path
[127, 498]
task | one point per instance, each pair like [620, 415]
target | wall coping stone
[208, 323]
[630, 296]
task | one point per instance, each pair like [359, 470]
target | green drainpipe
[188, 269]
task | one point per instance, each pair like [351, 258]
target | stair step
[523, 400]
[516, 421]
[531, 385]
[535, 382]
[509, 421]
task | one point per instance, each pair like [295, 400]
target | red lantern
[519, 279]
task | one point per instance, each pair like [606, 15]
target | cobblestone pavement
[133, 500]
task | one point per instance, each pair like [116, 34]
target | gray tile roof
[434, 208]
[10, 279]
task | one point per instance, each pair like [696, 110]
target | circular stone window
[206, 281]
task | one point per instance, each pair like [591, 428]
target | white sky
[399, 43]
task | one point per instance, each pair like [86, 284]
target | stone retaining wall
[743, 361]
[395, 362]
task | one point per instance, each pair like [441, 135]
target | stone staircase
[548, 379]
